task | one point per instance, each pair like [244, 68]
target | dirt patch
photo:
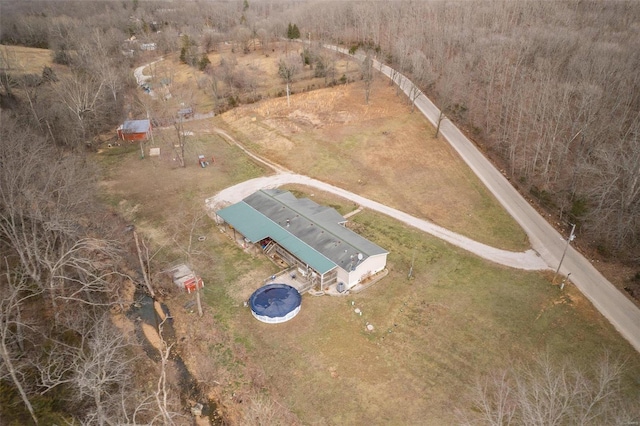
[241, 290]
[151, 334]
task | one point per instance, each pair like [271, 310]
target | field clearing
[379, 151]
[258, 69]
[460, 317]
[25, 60]
[156, 191]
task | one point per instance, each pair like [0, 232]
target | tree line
[65, 258]
[549, 89]
[64, 262]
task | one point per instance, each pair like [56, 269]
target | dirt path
[139, 75]
[528, 260]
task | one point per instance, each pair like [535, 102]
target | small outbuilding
[185, 279]
[135, 130]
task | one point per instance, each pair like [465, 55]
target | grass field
[258, 70]
[434, 335]
[459, 317]
[24, 60]
[379, 151]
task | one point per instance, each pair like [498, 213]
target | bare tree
[421, 77]
[287, 69]
[182, 140]
[80, 94]
[325, 66]
[162, 392]
[144, 263]
[14, 292]
[367, 73]
[101, 370]
[209, 41]
[37, 216]
[264, 37]
[550, 393]
[188, 226]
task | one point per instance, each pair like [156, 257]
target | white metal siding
[372, 265]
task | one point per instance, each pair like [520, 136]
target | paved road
[615, 306]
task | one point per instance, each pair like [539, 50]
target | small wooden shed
[185, 278]
[135, 130]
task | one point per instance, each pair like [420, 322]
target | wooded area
[550, 90]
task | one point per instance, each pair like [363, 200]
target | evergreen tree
[292, 31]
[295, 32]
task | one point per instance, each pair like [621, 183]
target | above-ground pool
[275, 303]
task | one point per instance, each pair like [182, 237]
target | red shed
[135, 130]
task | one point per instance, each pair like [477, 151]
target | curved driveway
[138, 73]
[614, 305]
[528, 260]
[545, 240]
[547, 243]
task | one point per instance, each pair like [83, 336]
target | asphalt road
[614, 305]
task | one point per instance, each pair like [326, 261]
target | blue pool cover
[275, 301]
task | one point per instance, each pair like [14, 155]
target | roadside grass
[460, 317]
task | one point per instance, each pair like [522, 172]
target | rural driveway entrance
[528, 260]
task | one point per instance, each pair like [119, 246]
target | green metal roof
[255, 227]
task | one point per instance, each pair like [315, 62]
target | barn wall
[134, 136]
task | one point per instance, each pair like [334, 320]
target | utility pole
[571, 238]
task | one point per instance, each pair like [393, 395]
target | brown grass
[433, 336]
[380, 151]
[191, 87]
[458, 318]
[24, 60]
